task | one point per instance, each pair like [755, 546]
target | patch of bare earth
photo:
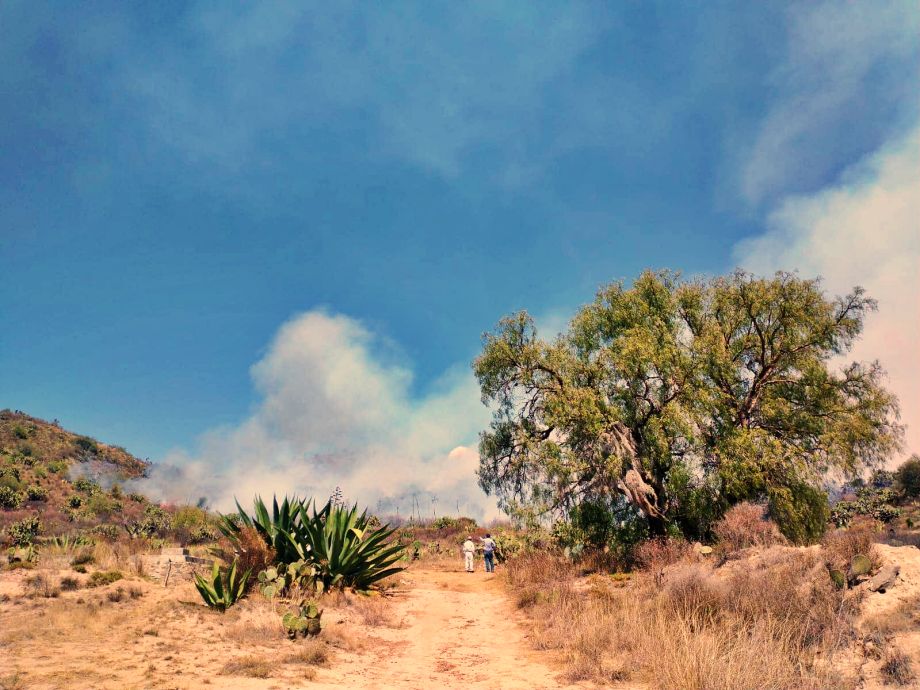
[437, 629]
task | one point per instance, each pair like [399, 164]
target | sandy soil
[439, 629]
[458, 631]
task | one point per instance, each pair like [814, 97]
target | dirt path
[458, 631]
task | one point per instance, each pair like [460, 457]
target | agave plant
[272, 526]
[222, 592]
[343, 549]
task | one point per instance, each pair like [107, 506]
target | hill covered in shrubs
[55, 482]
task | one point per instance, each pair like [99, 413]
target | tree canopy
[673, 399]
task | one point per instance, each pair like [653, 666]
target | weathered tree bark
[617, 441]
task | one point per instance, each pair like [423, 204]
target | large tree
[675, 399]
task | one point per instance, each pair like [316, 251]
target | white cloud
[865, 230]
[335, 412]
[843, 57]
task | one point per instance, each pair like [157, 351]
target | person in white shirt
[469, 549]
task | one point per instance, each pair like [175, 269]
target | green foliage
[107, 532]
[907, 476]
[274, 527]
[24, 531]
[281, 579]
[800, 511]
[22, 555]
[870, 502]
[75, 501]
[100, 578]
[86, 444]
[222, 591]
[86, 486]
[57, 466]
[101, 505]
[684, 397]
[155, 521]
[859, 566]
[10, 499]
[20, 432]
[447, 522]
[340, 546]
[305, 621]
[36, 492]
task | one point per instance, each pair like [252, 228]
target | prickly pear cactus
[838, 578]
[860, 565]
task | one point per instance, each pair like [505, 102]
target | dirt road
[459, 630]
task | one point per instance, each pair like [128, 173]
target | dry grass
[842, 545]
[764, 626]
[743, 526]
[251, 666]
[897, 669]
[374, 611]
[41, 585]
[311, 651]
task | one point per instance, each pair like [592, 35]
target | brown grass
[897, 669]
[252, 666]
[743, 526]
[768, 625]
[311, 651]
[843, 544]
[375, 612]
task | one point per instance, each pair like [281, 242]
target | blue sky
[178, 180]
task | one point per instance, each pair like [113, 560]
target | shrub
[100, 578]
[896, 668]
[745, 525]
[40, 585]
[871, 502]
[9, 498]
[86, 444]
[86, 486]
[25, 531]
[69, 584]
[907, 476]
[842, 545]
[20, 432]
[115, 595]
[35, 492]
[75, 501]
[657, 554]
[800, 511]
[56, 466]
[107, 532]
[83, 557]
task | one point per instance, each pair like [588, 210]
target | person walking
[488, 552]
[469, 549]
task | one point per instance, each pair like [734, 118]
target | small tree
[907, 476]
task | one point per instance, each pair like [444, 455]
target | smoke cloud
[863, 231]
[334, 411]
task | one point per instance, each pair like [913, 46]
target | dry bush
[253, 621]
[69, 584]
[746, 525]
[792, 587]
[897, 669]
[764, 626]
[655, 555]
[253, 554]
[859, 538]
[310, 651]
[252, 666]
[40, 585]
[375, 612]
[345, 637]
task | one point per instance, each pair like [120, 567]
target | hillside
[71, 483]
